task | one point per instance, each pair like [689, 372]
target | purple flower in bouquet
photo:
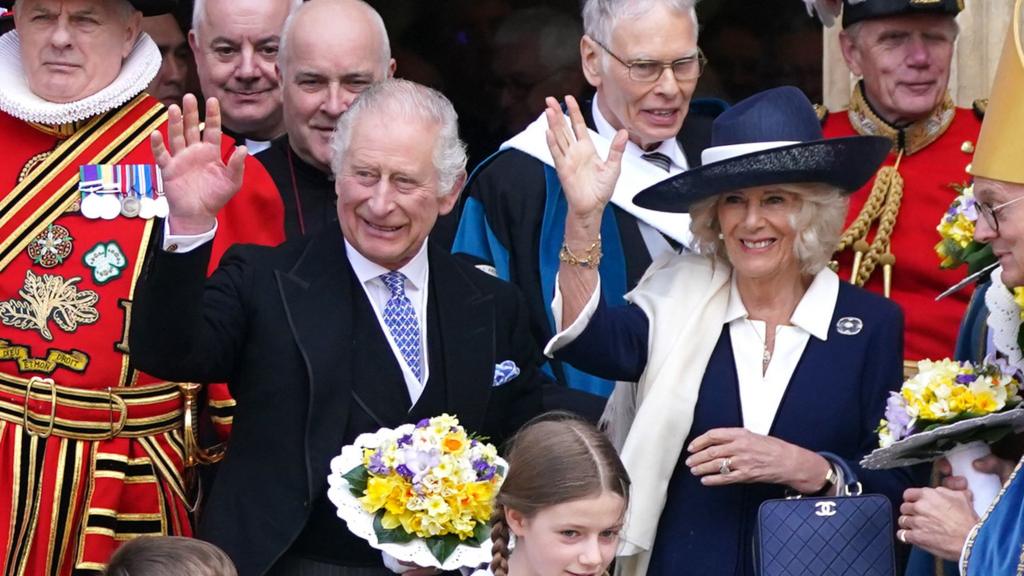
[966, 378]
[404, 471]
[419, 462]
[484, 471]
[377, 465]
[423, 423]
[405, 441]
[896, 415]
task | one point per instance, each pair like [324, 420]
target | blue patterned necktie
[400, 318]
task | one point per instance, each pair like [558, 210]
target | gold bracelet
[591, 257]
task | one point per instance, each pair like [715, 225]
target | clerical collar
[910, 138]
[16, 99]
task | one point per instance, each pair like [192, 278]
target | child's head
[564, 498]
[169, 556]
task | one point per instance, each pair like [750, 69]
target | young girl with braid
[563, 502]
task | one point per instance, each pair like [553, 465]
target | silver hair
[378, 22]
[400, 100]
[818, 223]
[601, 16]
[199, 12]
[556, 34]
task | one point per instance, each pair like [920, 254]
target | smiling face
[574, 538]
[335, 51]
[72, 49]
[905, 62]
[388, 191]
[757, 225]
[236, 53]
[1008, 243]
[650, 112]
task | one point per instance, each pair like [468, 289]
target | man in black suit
[331, 335]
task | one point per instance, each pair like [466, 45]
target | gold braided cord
[883, 205]
[883, 235]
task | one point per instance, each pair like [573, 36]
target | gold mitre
[997, 155]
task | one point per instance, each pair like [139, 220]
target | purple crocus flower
[970, 209]
[966, 378]
[377, 465]
[405, 440]
[404, 471]
[897, 417]
[484, 471]
[423, 423]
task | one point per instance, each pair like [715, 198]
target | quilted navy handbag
[849, 534]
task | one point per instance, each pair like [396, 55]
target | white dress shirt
[417, 276]
[656, 243]
[760, 394]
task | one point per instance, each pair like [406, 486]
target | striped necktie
[658, 159]
[400, 318]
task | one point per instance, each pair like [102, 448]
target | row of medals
[109, 205]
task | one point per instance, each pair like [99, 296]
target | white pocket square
[505, 372]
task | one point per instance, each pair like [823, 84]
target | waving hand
[197, 182]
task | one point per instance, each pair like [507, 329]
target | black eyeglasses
[687, 68]
[989, 212]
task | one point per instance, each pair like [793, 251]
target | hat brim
[847, 163]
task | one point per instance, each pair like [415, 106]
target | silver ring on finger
[723, 467]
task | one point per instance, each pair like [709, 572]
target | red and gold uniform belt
[44, 408]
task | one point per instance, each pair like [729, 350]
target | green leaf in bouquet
[480, 534]
[978, 256]
[443, 546]
[357, 479]
[951, 252]
[390, 535]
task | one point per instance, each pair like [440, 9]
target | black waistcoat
[380, 399]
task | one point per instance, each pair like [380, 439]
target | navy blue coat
[833, 403]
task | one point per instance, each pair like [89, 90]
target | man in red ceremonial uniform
[92, 451]
[902, 49]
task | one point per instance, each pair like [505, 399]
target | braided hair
[555, 458]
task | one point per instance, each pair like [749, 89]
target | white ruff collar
[1004, 319]
[139, 68]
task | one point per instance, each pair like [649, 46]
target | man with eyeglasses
[902, 49]
[642, 58]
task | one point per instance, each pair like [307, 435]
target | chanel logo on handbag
[824, 509]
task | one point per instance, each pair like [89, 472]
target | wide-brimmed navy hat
[773, 137]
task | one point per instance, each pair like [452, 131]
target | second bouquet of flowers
[950, 409]
[421, 492]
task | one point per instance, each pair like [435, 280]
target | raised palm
[587, 180]
[196, 181]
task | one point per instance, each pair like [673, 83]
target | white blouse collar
[814, 311]
[16, 99]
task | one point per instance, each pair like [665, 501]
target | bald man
[330, 51]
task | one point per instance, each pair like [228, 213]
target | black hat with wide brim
[773, 137]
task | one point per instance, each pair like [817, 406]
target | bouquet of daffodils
[952, 410]
[423, 493]
[945, 392]
[956, 229]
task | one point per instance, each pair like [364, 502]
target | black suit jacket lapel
[317, 299]
[466, 319]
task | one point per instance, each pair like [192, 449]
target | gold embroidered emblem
[46, 297]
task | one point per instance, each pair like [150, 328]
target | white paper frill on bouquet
[365, 524]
